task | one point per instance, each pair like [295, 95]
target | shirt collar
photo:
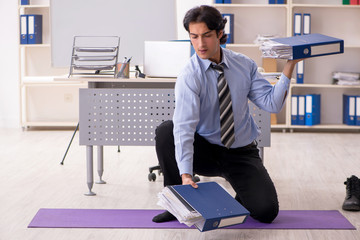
[206, 62]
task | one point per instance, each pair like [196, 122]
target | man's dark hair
[210, 16]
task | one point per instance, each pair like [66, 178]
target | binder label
[297, 24]
[231, 221]
[31, 25]
[352, 106]
[301, 105]
[309, 104]
[325, 49]
[23, 25]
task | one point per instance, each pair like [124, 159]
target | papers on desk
[207, 207]
[304, 46]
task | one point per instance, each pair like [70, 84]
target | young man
[196, 141]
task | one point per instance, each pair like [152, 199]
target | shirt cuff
[284, 80]
[185, 167]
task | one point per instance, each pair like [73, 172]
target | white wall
[9, 65]
[9, 60]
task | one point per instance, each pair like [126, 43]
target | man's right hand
[187, 179]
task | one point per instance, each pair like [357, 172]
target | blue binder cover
[294, 110]
[349, 107]
[301, 110]
[23, 29]
[272, 1]
[217, 207]
[227, 1]
[34, 29]
[229, 27]
[312, 45]
[312, 110]
[25, 2]
[219, 1]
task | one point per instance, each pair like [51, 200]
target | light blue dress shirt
[197, 104]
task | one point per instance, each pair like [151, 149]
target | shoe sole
[351, 208]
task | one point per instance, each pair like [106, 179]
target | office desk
[126, 112]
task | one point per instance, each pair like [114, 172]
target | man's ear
[221, 33]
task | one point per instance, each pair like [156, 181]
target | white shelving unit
[44, 102]
[253, 17]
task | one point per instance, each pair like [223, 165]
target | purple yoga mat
[136, 218]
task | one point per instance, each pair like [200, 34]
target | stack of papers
[346, 78]
[180, 209]
[207, 207]
[273, 49]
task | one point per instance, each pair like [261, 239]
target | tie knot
[218, 67]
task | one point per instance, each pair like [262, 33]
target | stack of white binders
[207, 207]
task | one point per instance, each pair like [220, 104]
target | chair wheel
[152, 177]
[196, 179]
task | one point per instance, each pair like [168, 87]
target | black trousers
[241, 167]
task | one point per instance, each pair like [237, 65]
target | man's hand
[289, 67]
[187, 179]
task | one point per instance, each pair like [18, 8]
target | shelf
[325, 5]
[235, 5]
[49, 124]
[51, 80]
[309, 85]
[242, 45]
[33, 6]
[45, 45]
[278, 126]
[326, 126]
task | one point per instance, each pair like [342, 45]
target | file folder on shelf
[301, 110]
[229, 27]
[306, 23]
[304, 46]
[300, 72]
[349, 107]
[23, 29]
[34, 23]
[357, 110]
[297, 24]
[207, 207]
[294, 110]
[312, 110]
[25, 2]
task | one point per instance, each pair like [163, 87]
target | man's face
[205, 42]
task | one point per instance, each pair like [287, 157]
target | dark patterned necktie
[226, 112]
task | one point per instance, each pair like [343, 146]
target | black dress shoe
[164, 217]
[352, 199]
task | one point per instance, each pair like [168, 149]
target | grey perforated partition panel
[129, 116]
